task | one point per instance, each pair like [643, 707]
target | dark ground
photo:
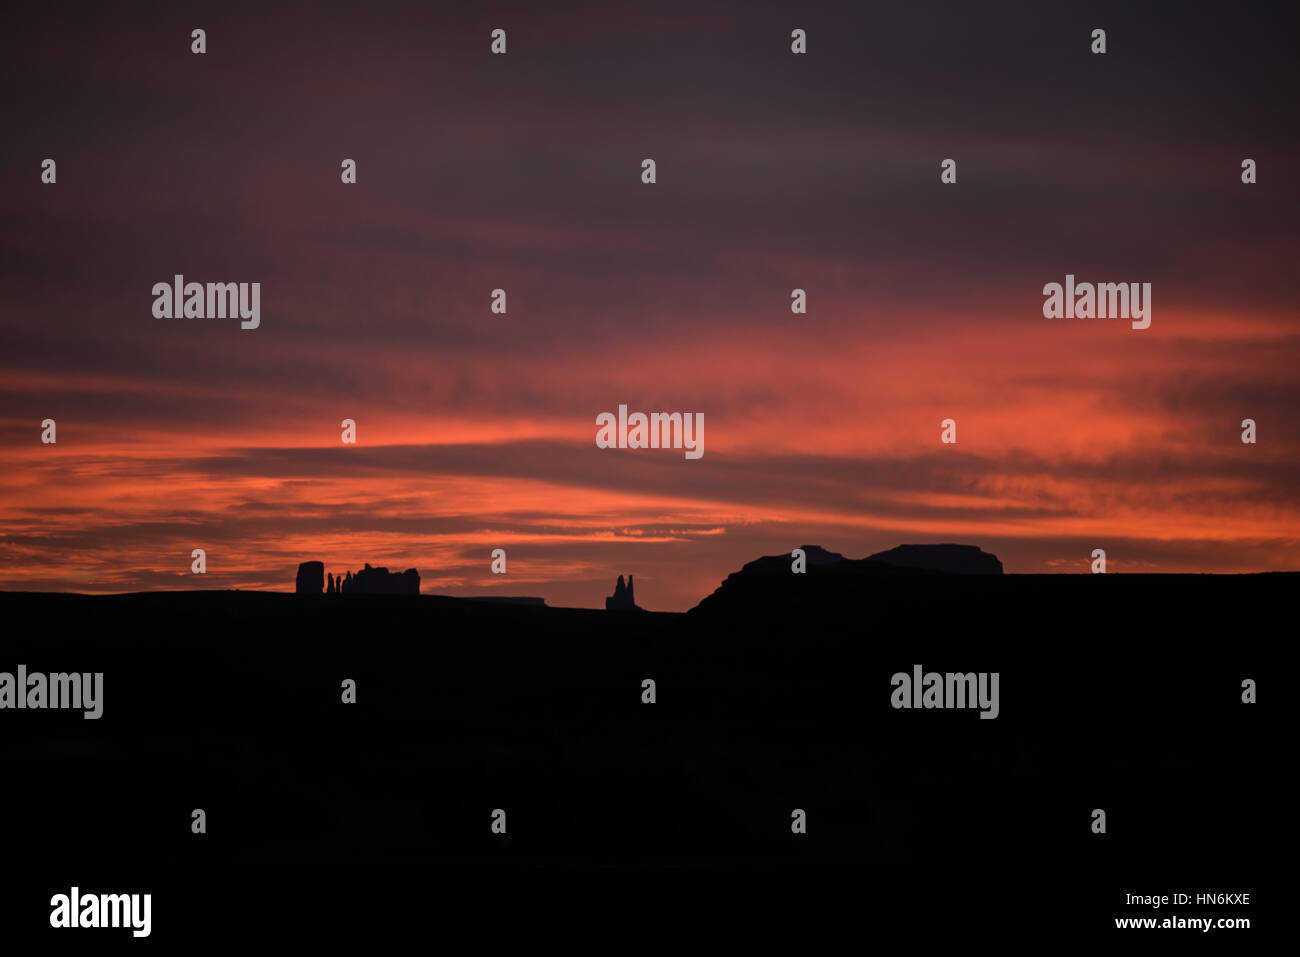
[1116, 692]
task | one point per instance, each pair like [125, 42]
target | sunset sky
[775, 171]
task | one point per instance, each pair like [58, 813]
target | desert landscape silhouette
[772, 694]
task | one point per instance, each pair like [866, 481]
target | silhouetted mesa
[368, 581]
[831, 583]
[623, 598]
[311, 578]
[816, 555]
[955, 559]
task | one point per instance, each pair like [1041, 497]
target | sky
[775, 171]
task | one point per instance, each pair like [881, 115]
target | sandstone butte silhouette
[368, 581]
[623, 598]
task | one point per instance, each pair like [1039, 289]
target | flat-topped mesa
[623, 599]
[954, 559]
[816, 555]
[813, 580]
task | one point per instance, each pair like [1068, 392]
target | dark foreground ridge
[1120, 692]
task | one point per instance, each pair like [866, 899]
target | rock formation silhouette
[623, 599]
[368, 581]
[955, 559]
[311, 578]
[380, 581]
[832, 583]
[816, 555]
